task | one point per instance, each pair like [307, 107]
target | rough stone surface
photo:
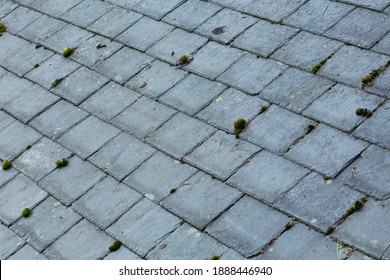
[368, 173]
[221, 154]
[122, 155]
[236, 228]
[267, 176]
[144, 226]
[10, 242]
[51, 216]
[106, 201]
[27, 253]
[326, 150]
[70, 182]
[41, 28]
[171, 174]
[156, 8]
[200, 199]
[318, 202]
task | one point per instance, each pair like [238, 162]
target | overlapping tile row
[152, 158]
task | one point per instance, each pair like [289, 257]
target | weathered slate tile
[156, 8]
[27, 253]
[273, 10]
[19, 18]
[41, 28]
[10, 242]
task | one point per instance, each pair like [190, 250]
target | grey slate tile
[109, 101]
[10, 242]
[14, 138]
[55, 7]
[56, 67]
[41, 28]
[200, 199]
[191, 132]
[143, 226]
[360, 63]
[27, 253]
[301, 243]
[306, 49]
[318, 15]
[381, 84]
[88, 136]
[19, 18]
[7, 175]
[158, 175]
[176, 44]
[144, 33]
[89, 55]
[213, 59]
[362, 28]
[187, 243]
[70, 36]
[369, 172]
[295, 90]
[143, 117]
[84, 241]
[123, 19]
[124, 64]
[87, 12]
[383, 45]
[264, 37]
[373, 4]
[125, 3]
[192, 94]
[70, 182]
[367, 229]
[273, 10]
[318, 202]
[59, 118]
[326, 150]
[5, 120]
[10, 45]
[156, 8]
[192, 14]
[252, 74]
[236, 228]
[122, 155]
[267, 176]
[122, 254]
[230, 106]
[375, 129]
[221, 154]
[80, 85]
[51, 216]
[276, 129]
[157, 79]
[17, 194]
[30, 103]
[11, 87]
[7, 7]
[106, 201]
[40, 159]
[234, 4]
[226, 25]
[337, 107]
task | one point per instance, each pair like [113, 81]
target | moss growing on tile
[172, 190]
[239, 125]
[349, 211]
[214, 258]
[310, 128]
[364, 112]
[6, 165]
[326, 177]
[56, 82]
[61, 162]
[329, 230]
[3, 28]
[368, 79]
[67, 52]
[317, 66]
[28, 147]
[184, 59]
[36, 65]
[26, 212]
[115, 246]
[263, 109]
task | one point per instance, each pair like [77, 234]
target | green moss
[56, 82]
[263, 109]
[364, 112]
[183, 59]
[61, 162]
[28, 147]
[237, 132]
[310, 128]
[6, 164]
[326, 177]
[369, 78]
[329, 230]
[289, 225]
[214, 258]
[240, 123]
[115, 246]
[26, 212]
[3, 28]
[67, 52]
[359, 203]
[369, 113]
[36, 65]
[349, 211]
[172, 190]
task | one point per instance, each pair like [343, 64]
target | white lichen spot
[313, 221]
[150, 196]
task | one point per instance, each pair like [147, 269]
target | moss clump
[326, 177]
[115, 246]
[317, 66]
[6, 164]
[3, 28]
[28, 147]
[364, 112]
[310, 128]
[369, 78]
[67, 52]
[239, 125]
[61, 162]
[56, 82]
[26, 212]
[329, 230]
[349, 211]
[184, 59]
[214, 258]
[263, 109]
[172, 190]
[36, 65]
